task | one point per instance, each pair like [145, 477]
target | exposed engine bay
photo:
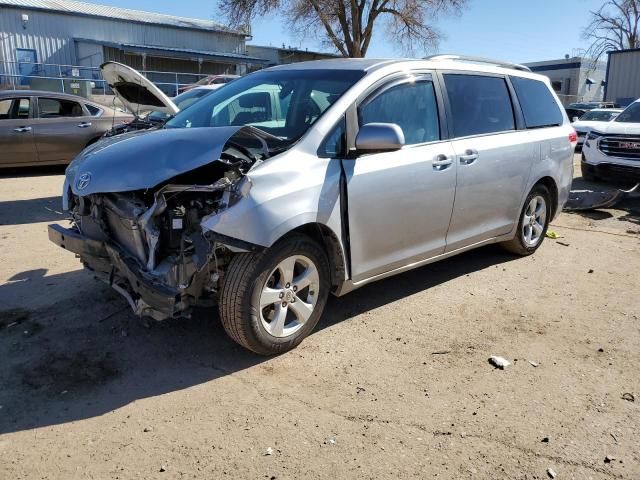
[149, 244]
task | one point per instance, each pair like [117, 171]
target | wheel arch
[331, 245]
[551, 185]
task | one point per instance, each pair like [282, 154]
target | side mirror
[575, 119]
[379, 137]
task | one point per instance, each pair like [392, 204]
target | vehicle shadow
[37, 171]
[20, 212]
[88, 355]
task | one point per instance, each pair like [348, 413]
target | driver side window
[412, 106]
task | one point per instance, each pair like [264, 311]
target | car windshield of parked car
[598, 116]
[284, 103]
[631, 114]
[582, 106]
[181, 101]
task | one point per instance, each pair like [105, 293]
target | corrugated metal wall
[51, 35]
[623, 81]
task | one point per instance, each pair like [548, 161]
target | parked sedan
[593, 119]
[48, 128]
[217, 80]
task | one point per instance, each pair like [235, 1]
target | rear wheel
[270, 301]
[533, 224]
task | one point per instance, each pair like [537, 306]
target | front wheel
[270, 301]
[533, 224]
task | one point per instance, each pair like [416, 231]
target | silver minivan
[313, 178]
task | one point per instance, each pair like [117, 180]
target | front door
[399, 203]
[16, 133]
[494, 159]
[62, 129]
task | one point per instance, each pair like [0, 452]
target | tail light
[573, 136]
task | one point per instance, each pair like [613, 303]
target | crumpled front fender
[281, 199]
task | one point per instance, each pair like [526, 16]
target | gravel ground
[394, 383]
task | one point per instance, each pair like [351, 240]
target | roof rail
[465, 58]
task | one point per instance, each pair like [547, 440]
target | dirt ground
[394, 383]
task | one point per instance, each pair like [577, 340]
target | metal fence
[79, 80]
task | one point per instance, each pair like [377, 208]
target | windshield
[582, 106]
[631, 114]
[599, 116]
[181, 101]
[284, 103]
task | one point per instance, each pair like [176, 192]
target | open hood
[136, 92]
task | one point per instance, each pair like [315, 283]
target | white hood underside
[136, 92]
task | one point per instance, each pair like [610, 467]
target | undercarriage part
[150, 247]
[581, 201]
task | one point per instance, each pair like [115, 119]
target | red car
[210, 80]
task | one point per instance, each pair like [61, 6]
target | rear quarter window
[539, 108]
[93, 110]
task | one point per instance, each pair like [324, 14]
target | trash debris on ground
[609, 459]
[148, 429]
[163, 468]
[629, 397]
[601, 350]
[545, 440]
[330, 441]
[552, 234]
[564, 244]
[590, 270]
[533, 364]
[441, 352]
[551, 472]
[584, 200]
[268, 451]
[499, 362]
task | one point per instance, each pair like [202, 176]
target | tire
[520, 245]
[252, 277]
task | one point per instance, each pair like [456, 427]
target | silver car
[314, 178]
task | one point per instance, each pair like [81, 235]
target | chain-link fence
[78, 80]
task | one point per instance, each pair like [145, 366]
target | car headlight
[592, 136]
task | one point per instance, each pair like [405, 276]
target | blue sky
[512, 30]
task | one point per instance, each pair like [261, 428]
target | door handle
[441, 162]
[84, 125]
[469, 157]
[22, 129]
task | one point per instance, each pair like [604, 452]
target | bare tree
[348, 25]
[614, 26]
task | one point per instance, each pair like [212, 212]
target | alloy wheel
[289, 296]
[534, 220]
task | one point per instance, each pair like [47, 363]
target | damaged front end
[148, 243]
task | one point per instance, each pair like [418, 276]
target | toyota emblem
[83, 181]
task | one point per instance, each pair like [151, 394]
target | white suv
[613, 149]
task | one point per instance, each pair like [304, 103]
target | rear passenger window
[55, 108]
[411, 106]
[479, 104]
[538, 105]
